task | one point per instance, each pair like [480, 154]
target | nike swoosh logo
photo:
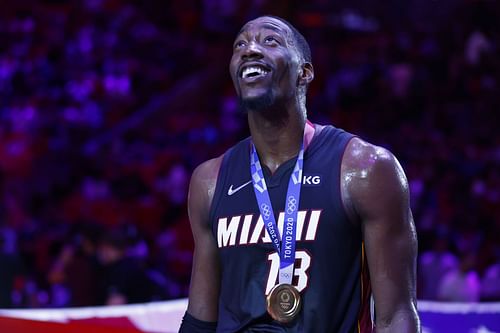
[232, 190]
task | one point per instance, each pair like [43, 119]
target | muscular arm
[375, 192]
[205, 278]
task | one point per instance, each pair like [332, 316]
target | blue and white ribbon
[287, 249]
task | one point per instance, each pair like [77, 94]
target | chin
[257, 103]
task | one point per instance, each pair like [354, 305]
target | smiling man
[299, 227]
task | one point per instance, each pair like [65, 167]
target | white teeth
[253, 70]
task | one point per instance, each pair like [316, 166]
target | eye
[271, 40]
[239, 44]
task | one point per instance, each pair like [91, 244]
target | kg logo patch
[311, 180]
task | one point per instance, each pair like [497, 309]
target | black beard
[266, 104]
[256, 104]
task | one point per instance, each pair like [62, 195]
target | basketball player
[297, 226]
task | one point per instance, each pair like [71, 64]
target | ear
[306, 74]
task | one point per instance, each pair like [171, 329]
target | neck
[277, 141]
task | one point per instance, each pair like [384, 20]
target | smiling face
[265, 65]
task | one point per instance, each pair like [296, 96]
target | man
[11, 267]
[297, 225]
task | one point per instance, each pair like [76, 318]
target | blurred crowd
[106, 107]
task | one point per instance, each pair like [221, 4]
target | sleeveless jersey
[330, 269]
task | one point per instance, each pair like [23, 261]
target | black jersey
[330, 270]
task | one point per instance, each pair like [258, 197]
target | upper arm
[205, 277]
[377, 193]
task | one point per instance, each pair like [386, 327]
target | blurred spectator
[461, 284]
[490, 284]
[434, 264]
[124, 279]
[76, 272]
[11, 267]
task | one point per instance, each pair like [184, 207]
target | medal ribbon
[287, 250]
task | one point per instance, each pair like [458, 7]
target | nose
[252, 51]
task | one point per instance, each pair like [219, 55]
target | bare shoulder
[363, 158]
[205, 174]
[371, 174]
[202, 189]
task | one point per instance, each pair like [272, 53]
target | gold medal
[284, 302]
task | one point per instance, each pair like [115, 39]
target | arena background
[106, 106]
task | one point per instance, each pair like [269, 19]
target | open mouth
[253, 71]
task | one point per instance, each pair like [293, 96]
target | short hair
[300, 40]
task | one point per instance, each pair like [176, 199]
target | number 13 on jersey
[300, 270]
